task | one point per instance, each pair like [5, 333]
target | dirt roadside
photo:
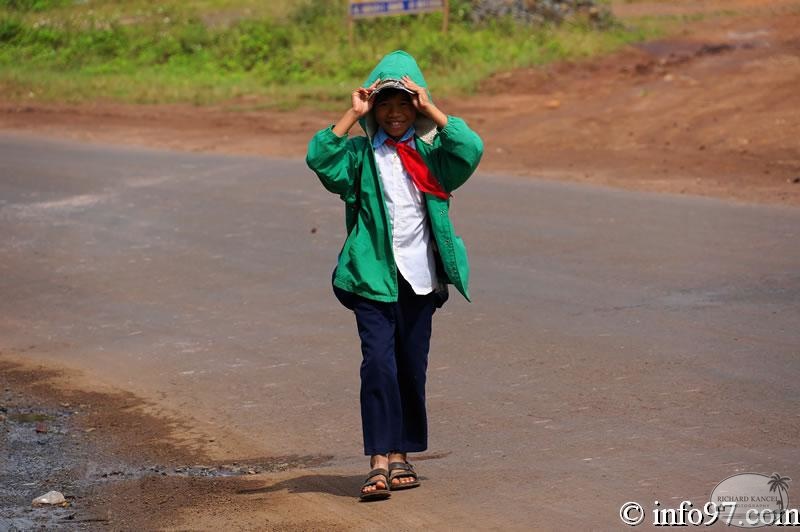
[713, 111]
[123, 467]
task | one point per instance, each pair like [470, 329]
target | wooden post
[350, 24]
[445, 16]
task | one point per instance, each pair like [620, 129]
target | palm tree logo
[780, 485]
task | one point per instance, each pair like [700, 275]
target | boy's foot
[376, 485]
[401, 473]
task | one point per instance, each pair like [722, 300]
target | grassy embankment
[256, 53]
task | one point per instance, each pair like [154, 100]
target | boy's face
[395, 113]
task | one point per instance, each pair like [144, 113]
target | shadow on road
[339, 485]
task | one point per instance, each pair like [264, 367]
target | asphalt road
[620, 346]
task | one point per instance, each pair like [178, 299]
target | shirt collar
[381, 136]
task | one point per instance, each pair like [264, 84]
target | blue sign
[364, 9]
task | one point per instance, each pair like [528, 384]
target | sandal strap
[404, 471]
[405, 466]
[377, 472]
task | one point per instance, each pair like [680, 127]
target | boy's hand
[423, 104]
[420, 99]
[361, 102]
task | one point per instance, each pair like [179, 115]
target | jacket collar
[381, 136]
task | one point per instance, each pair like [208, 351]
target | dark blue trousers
[395, 339]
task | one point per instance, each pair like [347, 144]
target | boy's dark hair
[385, 94]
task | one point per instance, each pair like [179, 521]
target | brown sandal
[398, 470]
[372, 479]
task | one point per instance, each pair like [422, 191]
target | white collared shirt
[405, 204]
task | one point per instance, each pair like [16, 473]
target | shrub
[10, 28]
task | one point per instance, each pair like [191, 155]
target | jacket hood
[394, 66]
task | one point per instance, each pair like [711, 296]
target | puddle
[668, 53]
[667, 48]
[675, 52]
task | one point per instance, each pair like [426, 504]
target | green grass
[277, 54]
[137, 8]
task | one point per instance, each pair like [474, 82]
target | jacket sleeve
[458, 154]
[334, 159]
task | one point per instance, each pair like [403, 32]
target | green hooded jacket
[346, 166]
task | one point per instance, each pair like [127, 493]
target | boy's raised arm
[345, 123]
[461, 148]
[460, 152]
[329, 154]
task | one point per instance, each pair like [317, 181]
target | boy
[401, 250]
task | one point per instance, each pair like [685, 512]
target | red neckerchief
[420, 174]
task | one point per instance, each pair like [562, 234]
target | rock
[51, 498]
[794, 180]
[41, 427]
[553, 104]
